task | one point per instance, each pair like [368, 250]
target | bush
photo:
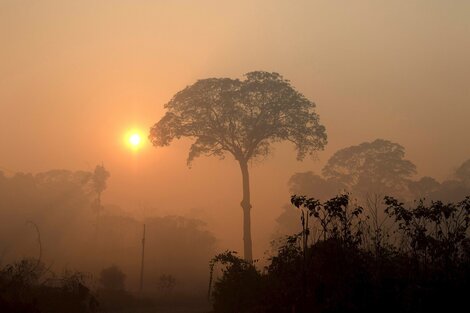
[28, 287]
[112, 278]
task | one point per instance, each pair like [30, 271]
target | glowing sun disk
[134, 139]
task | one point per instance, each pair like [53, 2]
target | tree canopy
[376, 166]
[242, 117]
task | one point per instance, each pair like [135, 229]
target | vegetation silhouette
[337, 263]
[242, 118]
[27, 286]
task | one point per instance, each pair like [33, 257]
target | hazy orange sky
[76, 75]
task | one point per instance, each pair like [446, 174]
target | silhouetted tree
[242, 118]
[368, 171]
[239, 289]
[371, 167]
[112, 278]
[99, 178]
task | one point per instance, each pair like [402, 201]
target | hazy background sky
[76, 75]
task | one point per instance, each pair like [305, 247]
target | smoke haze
[75, 76]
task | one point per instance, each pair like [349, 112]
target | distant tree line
[78, 231]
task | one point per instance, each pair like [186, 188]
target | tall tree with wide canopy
[242, 118]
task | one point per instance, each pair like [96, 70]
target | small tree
[242, 118]
[99, 178]
[239, 287]
[112, 278]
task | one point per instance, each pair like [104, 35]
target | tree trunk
[246, 206]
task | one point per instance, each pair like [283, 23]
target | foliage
[239, 287]
[435, 234]
[242, 117]
[425, 268]
[336, 218]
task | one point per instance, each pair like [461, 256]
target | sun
[134, 139]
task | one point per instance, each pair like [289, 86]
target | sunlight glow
[134, 139]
